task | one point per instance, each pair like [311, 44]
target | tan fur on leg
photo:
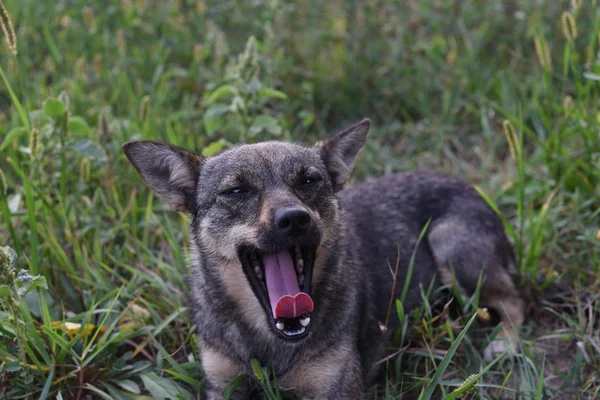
[219, 370]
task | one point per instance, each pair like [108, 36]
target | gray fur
[172, 172]
[359, 230]
[339, 152]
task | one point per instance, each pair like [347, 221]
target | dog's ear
[170, 171]
[339, 151]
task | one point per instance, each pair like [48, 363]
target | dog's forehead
[272, 156]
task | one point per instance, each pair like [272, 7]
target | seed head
[84, 169]
[145, 108]
[103, 126]
[34, 137]
[8, 29]
[3, 184]
[6, 274]
[257, 370]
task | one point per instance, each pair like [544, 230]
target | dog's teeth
[258, 272]
[280, 325]
[304, 321]
[299, 265]
[301, 280]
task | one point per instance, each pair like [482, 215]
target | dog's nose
[292, 221]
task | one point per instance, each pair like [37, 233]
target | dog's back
[386, 216]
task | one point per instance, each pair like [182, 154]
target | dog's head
[266, 208]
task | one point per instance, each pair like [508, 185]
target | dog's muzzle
[281, 282]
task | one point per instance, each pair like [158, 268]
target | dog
[291, 269]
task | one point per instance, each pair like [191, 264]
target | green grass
[502, 93]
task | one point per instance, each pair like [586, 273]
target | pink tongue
[282, 284]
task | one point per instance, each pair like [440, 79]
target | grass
[502, 93]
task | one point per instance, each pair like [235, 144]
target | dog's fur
[358, 234]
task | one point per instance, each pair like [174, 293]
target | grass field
[505, 94]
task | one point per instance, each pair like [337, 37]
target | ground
[502, 93]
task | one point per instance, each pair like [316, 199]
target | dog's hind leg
[498, 292]
[468, 248]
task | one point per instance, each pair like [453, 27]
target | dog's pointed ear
[339, 151]
[170, 171]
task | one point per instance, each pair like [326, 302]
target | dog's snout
[292, 221]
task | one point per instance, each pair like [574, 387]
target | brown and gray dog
[291, 270]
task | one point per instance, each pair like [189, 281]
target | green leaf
[13, 135]
[254, 86]
[214, 147]
[120, 394]
[100, 393]
[540, 383]
[400, 310]
[222, 92]
[213, 118]
[54, 108]
[27, 282]
[307, 118]
[129, 385]
[79, 125]
[494, 207]
[46, 390]
[411, 263]
[12, 367]
[267, 93]
[265, 122]
[4, 291]
[39, 303]
[58, 340]
[139, 366]
[162, 388]
[233, 385]
[90, 149]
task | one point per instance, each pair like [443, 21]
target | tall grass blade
[443, 365]
[15, 100]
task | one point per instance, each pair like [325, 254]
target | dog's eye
[309, 180]
[235, 190]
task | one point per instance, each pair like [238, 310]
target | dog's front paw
[497, 347]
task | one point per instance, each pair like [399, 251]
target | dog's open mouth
[281, 282]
